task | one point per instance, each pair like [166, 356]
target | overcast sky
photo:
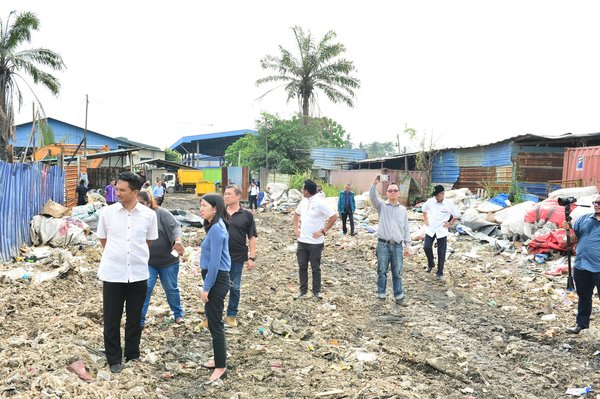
[468, 72]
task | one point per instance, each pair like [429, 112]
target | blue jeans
[235, 274]
[168, 279]
[389, 254]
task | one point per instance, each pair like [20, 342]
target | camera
[384, 177]
[566, 201]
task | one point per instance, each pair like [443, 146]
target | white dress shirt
[125, 256]
[439, 213]
[313, 212]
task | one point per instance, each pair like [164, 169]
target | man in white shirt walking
[312, 220]
[438, 214]
[125, 230]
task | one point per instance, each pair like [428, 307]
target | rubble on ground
[492, 328]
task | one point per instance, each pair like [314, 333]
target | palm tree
[14, 63]
[316, 66]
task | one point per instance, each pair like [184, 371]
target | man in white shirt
[125, 230]
[312, 220]
[438, 214]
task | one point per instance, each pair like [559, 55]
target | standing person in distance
[438, 215]
[394, 239]
[215, 264]
[81, 192]
[312, 220]
[346, 207]
[242, 247]
[110, 193]
[159, 192]
[163, 263]
[126, 230]
[586, 268]
[253, 191]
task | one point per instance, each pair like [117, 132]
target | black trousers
[347, 214]
[309, 253]
[441, 252]
[585, 282]
[213, 310]
[114, 296]
[253, 201]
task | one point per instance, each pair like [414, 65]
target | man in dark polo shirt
[242, 246]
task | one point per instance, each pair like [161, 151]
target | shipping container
[582, 164]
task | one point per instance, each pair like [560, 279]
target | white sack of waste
[576, 192]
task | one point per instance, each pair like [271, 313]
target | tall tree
[377, 149]
[316, 66]
[284, 144]
[15, 62]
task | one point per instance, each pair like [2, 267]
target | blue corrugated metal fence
[24, 189]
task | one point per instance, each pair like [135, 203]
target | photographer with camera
[393, 242]
[586, 233]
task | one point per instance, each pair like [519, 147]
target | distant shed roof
[334, 158]
[213, 144]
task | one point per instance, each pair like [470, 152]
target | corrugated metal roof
[214, 144]
[333, 158]
[497, 154]
[445, 167]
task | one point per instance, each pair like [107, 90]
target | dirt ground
[492, 329]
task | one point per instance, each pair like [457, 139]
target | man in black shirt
[81, 191]
[242, 235]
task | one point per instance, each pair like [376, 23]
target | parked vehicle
[187, 180]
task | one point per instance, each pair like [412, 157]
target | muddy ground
[485, 332]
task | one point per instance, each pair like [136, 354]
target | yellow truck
[187, 180]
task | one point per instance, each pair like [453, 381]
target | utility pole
[267, 149]
[85, 127]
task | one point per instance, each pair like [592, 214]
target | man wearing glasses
[586, 233]
[394, 239]
[438, 214]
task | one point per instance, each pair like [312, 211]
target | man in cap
[438, 214]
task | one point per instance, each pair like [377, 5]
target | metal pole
[85, 128]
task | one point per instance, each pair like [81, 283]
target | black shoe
[429, 269]
[116, 368]
[439, 277]
[317, 296]
[574, 330]
[134, 360]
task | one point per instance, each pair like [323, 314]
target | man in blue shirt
[346, 207]
[586, 269]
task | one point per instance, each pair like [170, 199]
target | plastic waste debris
[579, 391]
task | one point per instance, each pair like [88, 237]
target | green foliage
[297, 180]
[316, 65]
[377, 149]
[328, 133]
[17, 62]
[288, 142]
[424, 157]
[46, 132]
[172, 155]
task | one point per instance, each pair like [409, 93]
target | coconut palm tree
[316, 66]
[17, 63]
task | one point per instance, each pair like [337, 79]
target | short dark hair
[134, 181]
[236, 189]
[82, 181]
[310, 186]
[216, 201]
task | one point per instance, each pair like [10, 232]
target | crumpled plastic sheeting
[58, 232]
